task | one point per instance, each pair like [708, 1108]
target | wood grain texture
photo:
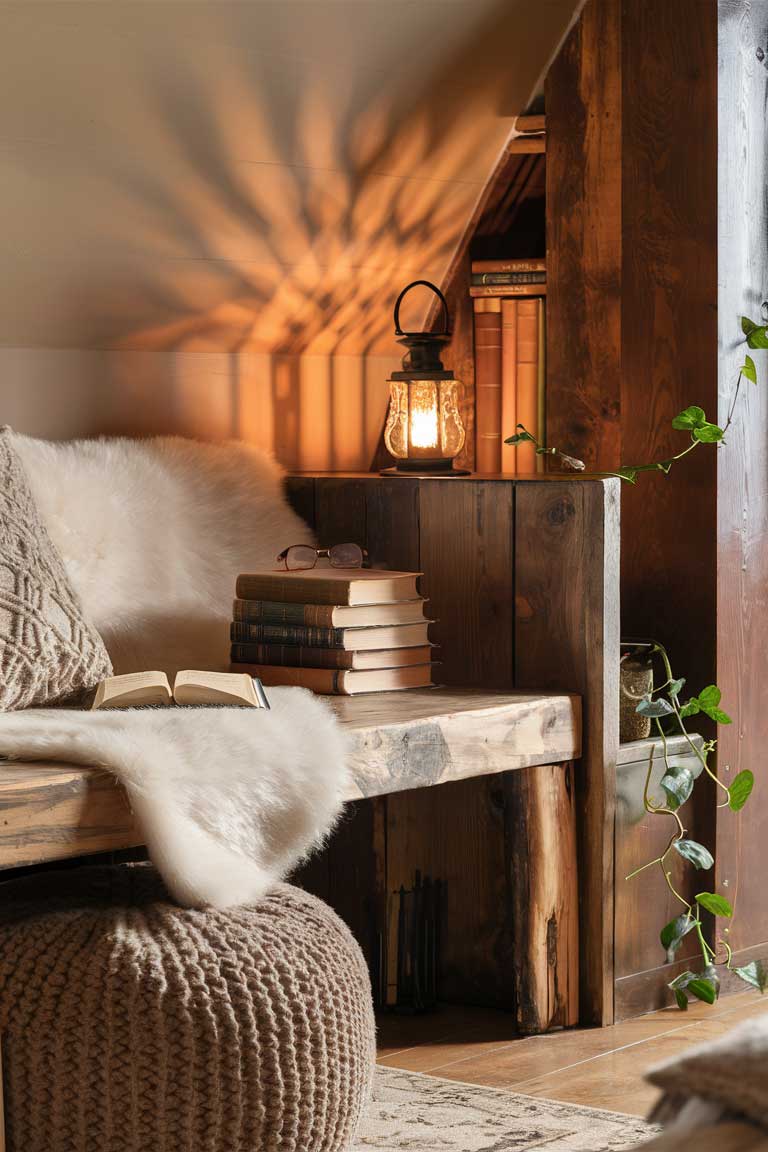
[467, 557]
[456, 833]
[742, 524]
[584, 243]
[567, 631]
[542, 871]
[52, 812]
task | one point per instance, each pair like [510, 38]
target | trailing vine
[668, 714]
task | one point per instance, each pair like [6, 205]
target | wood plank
[421, 738]
[584, 107]
[543, 895]
[567, 632]
[53, 812]
[742, 524]
[467, 556]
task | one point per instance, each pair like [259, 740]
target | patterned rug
[420, 1113]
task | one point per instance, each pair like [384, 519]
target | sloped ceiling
[261, 175]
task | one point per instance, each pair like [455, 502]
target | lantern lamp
[424, 430]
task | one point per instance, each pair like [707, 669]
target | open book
[147, 689]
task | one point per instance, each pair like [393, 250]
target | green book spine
[286, 634]
[279, 612]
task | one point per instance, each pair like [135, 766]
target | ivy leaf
[740, 790]
[675, 688]
[755, 974]
[710, 973]
[748, 325]
[664, 466]
[748, 369]
[708, 433]
[703, 990]
[693, 417]
[708, 700]
[682, 999]
[681, 981]
[522, 436]
[758, 337]
[655, 708]
[673, 934]
[695, 853]
[678, 783]
[627, 473]
[690, 708]
[710, 696]
[714, 903]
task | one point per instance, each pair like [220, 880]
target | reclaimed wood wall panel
[742, 527]
[584, 305]
[467, 555]
[567, 605]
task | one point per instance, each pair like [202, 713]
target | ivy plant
[668, 712]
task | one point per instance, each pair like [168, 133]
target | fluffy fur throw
[228, 799]
[153, 534]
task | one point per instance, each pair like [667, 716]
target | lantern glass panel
[424, 422]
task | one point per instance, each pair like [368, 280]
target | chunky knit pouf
[132, 1025]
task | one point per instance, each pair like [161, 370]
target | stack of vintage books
[509, 335]
[335, 631]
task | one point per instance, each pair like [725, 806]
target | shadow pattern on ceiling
[257, 176]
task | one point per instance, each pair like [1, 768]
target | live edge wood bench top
[400, 740]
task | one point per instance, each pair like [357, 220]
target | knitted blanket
[229, 799]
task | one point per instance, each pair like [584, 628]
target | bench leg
[543, 887]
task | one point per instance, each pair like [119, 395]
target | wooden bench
[522, 578]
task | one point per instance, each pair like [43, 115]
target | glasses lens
[300, 556]
[346, 556]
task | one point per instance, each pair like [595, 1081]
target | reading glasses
[302, 556]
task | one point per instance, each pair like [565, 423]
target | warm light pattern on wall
[249, 179]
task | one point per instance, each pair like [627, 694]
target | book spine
[273, 612]
[495, 266]
[508, 383]
[291, 591]
[326, 681]
[488, 388]
[477, 291]
[527, 379]
[291, 656]
[541, 381]
[286, 634]
[491, 278]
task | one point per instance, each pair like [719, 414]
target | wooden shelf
[400, 740]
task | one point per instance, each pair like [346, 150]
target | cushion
[131, 1024]
[729, 1072]
[48, 649]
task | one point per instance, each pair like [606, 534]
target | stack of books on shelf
[334, 631]
[509, 360]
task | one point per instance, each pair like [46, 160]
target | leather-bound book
[527, 379]
[487, 313]
[508, 383]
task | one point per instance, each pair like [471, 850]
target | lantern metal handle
[441, 298]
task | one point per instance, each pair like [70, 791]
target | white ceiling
[262, 175]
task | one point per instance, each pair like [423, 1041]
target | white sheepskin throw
[229, 800]
[153, 533]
